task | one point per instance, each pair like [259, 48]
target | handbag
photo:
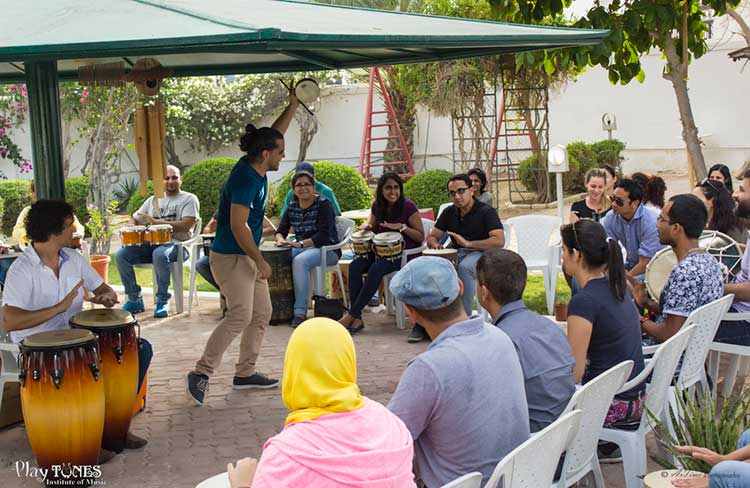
[333, 308]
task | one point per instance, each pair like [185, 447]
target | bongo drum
[208, 241]
[62, 396]
[159, 234]
[362, 243]
[118, 348]
[388, 245]
[280, 284]
[449, 254]
[132, 235]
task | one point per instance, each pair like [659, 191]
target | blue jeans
[160, 256]
[204, 269]
[467, 272]
[732, 474]
[303, 261]
[360, 292]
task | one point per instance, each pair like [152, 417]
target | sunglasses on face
[459, 191]
[618, 201]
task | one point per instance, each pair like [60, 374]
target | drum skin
[280, 284]
[118, 350]
[449, 254]
[64, 424]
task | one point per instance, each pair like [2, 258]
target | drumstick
[300, 101]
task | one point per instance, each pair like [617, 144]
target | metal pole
[558, 182]
[46, 130]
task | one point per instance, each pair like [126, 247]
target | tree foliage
[13, 108]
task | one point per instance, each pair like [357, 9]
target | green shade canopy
[211, 37]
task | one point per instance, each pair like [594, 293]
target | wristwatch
[403, 228]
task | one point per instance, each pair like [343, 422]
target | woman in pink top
[333, 437]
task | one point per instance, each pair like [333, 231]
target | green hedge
[137, 199]
[428, 189]
[16, 195]
[206, 180]
[349, 187]
[582, 157]
[76, 192]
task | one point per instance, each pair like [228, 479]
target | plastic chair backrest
[427, 224]
[344, 228]
[533, 234]
[706, 320]
[594, 398]
[443, 206]
[471, 480]
[665, 362]
[533, 463]
[8, 354]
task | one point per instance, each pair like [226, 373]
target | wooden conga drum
[118, 349]
[62, 397]
[280, 284]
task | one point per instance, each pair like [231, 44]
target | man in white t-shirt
[177, 208]
[44, 286]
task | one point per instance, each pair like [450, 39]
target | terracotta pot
[561, 312]
[101, 264]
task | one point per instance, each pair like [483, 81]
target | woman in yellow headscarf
[333, 437]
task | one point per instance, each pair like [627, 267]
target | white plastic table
[218, 481]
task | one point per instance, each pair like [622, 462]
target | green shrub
[137, 199]
[206, 180]
[76, 192]
[532, 168]
[428, 189]
[16, 195]
[609, 151]
[349, 187]
[581, 158]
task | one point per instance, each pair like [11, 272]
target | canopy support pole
[46, 129]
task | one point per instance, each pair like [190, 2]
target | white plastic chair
[471, 480]
[195, 252]
[391, 304]
[739, 354]
[632, 443]
[593, 398]
[344, 229]
[177, 284]
[534, 462]
[9, 369]
[533, 233]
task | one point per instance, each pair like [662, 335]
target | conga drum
[118, 349]
[280, 284]
[62, 397]
[449, 254]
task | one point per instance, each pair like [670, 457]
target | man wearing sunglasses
[177, 208]
[633, 225]
[473, 226]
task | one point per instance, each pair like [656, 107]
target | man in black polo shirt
[473, 227]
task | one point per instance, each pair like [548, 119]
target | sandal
[346, 320]
[356, 326]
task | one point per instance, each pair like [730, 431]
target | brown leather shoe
[105, 455]
[132, 441]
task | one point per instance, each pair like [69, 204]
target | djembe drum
[118, 348]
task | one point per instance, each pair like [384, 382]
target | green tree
[13, 108]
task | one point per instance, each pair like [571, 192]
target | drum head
[387, 237]
[133, 228]
[160, 227]
[440, 252]
[363, 235]
[102, 318]
[307, 90]
[270, 246]
[55, 339]
[658, 271]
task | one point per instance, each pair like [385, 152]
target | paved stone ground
[188, 443]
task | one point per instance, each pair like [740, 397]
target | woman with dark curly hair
[720, 172]
[720, 206]
[653, 188]
[479, 184]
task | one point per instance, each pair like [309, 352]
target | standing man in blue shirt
[634, 226]
[237, 263]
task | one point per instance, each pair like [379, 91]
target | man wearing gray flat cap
[463, 399]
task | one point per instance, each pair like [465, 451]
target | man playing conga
[44, 287]
[178, 208]
[473, 227]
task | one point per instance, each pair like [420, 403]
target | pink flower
[3, 151]
[83, 101]
[2, 131]
[13, 88]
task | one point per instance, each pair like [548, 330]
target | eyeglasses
[303, 185]
[618, 201]
[460, 191]
[175, 178]
[661, 219]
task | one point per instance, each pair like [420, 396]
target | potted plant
[101, 233]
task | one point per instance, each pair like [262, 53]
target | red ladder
[365, 158]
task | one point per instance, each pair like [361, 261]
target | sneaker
[417, 334]
[608, 455]
[258, 380]
[297, 320]
[161, 310]
[134, 306]
[196, 386]
[374, 301]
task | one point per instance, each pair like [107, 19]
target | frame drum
[449, 254]
[280, 284]
[118, 346]
[61, 396]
